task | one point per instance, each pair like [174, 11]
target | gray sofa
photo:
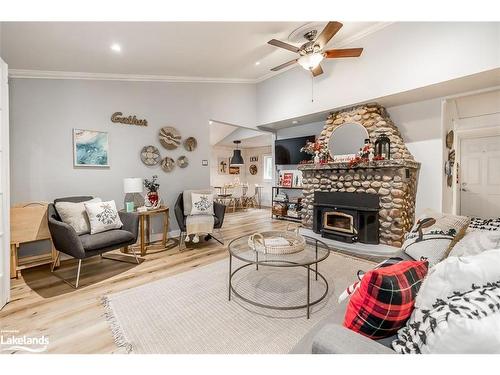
[330, 337]
[67, 241]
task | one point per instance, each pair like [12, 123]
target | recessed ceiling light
[116, 47]
[257, 63]
[210, 122]
[295, 122]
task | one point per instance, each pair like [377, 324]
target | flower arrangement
[358, 159]
[317, 149]
[152, 185]
[152, 200]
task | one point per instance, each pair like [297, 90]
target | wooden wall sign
[118, 117]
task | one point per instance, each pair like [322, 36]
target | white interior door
[480, 181]
[4, 188]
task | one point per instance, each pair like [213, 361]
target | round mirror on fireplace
[346, 140]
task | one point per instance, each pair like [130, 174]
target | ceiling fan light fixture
[310, 61]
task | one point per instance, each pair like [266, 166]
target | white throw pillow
[103, 216]
[464, 323]
[458, 274]
[202, 204]
[449, 315]
[475, 242]
[434, 235]
[74, 215]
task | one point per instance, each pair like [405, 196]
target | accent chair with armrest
[83, 246]
[219, 212]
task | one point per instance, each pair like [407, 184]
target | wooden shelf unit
[275, 191]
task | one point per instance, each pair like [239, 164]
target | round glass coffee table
[315, 252]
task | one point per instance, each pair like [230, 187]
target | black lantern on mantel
[383, 147]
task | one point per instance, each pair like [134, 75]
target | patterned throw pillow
[353, 287]
[477, 223]
[384, 300]
[465, 322]
[434, 235]
[457, 274]
[103, 216]
[202, 204]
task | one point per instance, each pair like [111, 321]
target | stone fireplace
[393, 182]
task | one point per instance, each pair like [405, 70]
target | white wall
[260, 152]
[217, 179]
[313, 128]
[245, 176]
[400, 57]
[420, 126]
[464, 114]
[44, 112]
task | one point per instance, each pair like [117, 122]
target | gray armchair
[67, 241]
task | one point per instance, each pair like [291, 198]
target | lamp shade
[237, 159]
[310, 61]
[132, 185]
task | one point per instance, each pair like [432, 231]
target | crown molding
[344, 43]
[47, 74]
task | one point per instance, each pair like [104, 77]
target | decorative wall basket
[168, 164]
[190, 144]
[182, 162]
[150, 155]
[170, 138]
[253, 169]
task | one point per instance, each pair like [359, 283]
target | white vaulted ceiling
[219, 50]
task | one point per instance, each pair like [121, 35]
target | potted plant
[152, 187]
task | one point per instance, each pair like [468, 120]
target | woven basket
[277, 242]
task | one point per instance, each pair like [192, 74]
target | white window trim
[264, 158]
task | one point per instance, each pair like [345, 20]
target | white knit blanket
[196, 224]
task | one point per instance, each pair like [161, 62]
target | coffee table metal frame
[280, 263]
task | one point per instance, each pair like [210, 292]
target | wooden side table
[145, 222]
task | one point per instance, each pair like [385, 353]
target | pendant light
[236, 159]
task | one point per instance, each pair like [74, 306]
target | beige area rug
[190, 312]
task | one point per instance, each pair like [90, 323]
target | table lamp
[133, 187]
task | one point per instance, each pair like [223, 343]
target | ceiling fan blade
[317, 71]
[328, 32]
[346, 52]
[280, 44]
[279, 67]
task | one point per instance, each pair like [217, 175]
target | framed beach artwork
[90, 148]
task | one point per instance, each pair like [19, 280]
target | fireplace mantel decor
[394, 181]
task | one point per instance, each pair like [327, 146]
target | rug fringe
[116, 330]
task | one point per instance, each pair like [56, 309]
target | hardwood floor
[73, 320]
